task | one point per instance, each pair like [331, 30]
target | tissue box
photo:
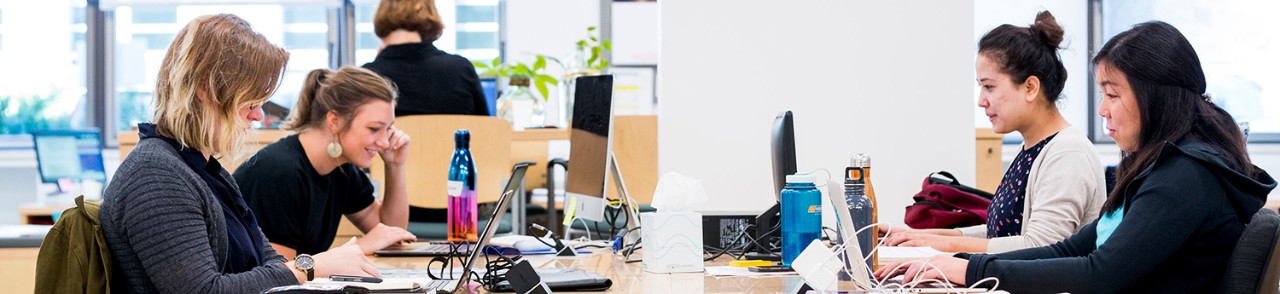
[672, 242]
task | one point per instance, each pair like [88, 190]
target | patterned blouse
[1004, 216]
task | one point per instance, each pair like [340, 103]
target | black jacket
[430, 81]
[1183, 216]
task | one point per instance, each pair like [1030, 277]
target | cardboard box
[672, 242]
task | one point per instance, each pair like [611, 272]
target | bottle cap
[860, 160]
[800, 179]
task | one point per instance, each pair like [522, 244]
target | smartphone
[770, 269]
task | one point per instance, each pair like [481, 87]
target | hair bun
[1047, 30]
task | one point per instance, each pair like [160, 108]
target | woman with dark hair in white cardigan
[1055, 184]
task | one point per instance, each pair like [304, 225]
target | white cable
[927, 265]
[823, 170]
[585, 226]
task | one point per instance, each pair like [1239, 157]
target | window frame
[1096, 41]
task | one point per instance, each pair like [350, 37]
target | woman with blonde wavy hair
[173, 218]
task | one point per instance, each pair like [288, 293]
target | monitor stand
[629, 205]
[631, 208]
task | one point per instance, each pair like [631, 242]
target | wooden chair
[431, 151]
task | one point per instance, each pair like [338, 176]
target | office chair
[427, 170]
[1254, 266]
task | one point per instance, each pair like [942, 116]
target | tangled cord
[743, 246]
[880, 285]
[495, 269]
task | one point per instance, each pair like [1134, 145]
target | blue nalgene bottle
[462, 210]
[801, 216]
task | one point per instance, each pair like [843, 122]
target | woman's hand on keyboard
[940, 267]
[347, 259]
[926, 268]
[383, 236]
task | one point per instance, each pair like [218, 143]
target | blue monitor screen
[489, 85]
[73, 155]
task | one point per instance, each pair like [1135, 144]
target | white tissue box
[672, 242]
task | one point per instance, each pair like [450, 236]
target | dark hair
[1169, 85]
[1030, 51]
[341, 92]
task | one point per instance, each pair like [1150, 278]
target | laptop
[858, 268]
[446, 248]
[513, 185]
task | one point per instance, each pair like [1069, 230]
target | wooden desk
[631, 278]
[35, 214]
[18, 269]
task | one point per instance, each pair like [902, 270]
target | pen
[342, 278]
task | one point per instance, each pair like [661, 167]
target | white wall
[884, 78]
[1073, 16]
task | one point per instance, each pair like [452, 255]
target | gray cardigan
[166, 232]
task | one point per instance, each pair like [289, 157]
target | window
[470, 29]
[143, 33]
[42, 85]
[1236, 50]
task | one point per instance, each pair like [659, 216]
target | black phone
[770, 269]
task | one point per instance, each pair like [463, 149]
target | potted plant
[518, 104]
[586, 61]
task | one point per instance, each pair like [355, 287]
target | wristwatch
[306, 264]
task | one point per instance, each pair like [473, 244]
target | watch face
[304, 261]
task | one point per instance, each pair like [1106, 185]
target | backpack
[73, 257]
[945, 203]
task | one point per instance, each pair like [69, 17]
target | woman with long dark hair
[1184, 191]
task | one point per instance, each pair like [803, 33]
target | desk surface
[631, 278]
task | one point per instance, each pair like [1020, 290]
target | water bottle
[462, 210]
[801, 216]
[857, 193]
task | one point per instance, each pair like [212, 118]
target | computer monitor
[66, 154]
[589, 146]
[489, 85]
[784, 151]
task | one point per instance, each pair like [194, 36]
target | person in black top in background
[302, 185]
[430, 81]
[1185, 188]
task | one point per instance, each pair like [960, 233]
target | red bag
[945, 203]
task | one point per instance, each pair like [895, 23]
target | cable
[926, 265]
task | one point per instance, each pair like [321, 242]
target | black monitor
[589, 146]
[784, 151]
[69, 155]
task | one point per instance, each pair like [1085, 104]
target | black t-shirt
[296, 206]
[430, 81]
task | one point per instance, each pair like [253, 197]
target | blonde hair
[413, 15]
[231, 66]
[341, 92]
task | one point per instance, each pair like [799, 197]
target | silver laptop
[854, 260]
[513, 185]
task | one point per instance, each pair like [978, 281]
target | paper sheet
[903, 252]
